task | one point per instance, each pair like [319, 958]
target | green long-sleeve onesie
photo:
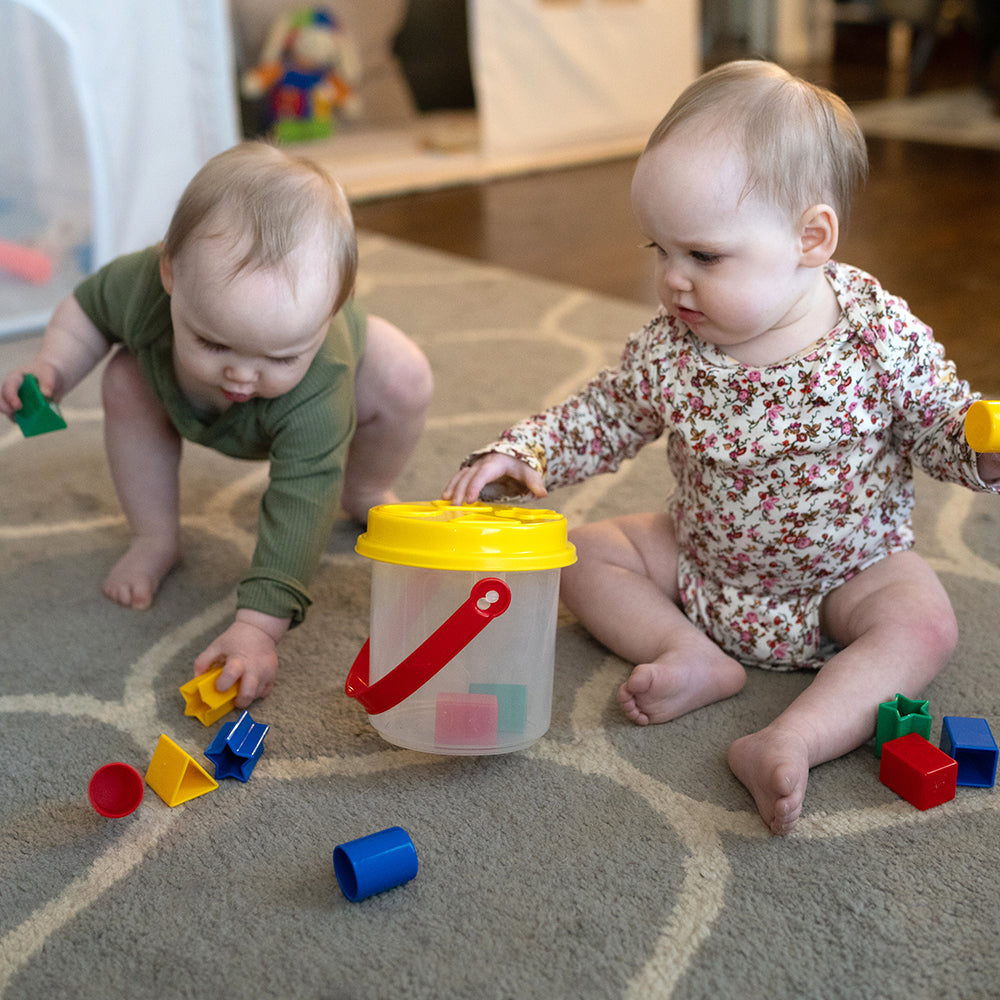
[304, 434]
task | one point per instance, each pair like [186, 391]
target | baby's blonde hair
[802, 143]
[270, 201]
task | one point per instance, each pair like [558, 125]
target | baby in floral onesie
[794, 394]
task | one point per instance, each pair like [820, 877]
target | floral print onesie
[790, 478]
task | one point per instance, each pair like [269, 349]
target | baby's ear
[167, 273]
[819, 230]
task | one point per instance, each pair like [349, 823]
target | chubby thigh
[642, 544]
[899, 594]
[623, 586]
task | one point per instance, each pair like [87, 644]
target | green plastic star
[900, 717]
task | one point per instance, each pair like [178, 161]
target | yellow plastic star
[202, 699]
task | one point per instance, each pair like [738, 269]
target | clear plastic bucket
[463, 624]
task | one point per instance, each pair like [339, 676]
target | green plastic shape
[900, 717]
[37, 415]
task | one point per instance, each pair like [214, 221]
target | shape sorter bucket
[463, 625]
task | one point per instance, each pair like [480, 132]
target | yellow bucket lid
[478, 536]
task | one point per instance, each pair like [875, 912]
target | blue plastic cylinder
[375, 863]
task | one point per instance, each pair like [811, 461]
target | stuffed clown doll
[308, 72]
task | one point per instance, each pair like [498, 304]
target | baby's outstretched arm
[247, 651]
[71, 347]
[493, 467]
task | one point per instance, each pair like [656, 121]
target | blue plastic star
[237, 747]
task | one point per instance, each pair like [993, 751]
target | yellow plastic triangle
[175, 775]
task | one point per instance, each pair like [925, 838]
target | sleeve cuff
[273, 595]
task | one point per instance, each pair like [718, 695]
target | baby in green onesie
[237, 333]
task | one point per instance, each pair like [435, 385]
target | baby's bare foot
[679, 682]
[135, 578]
[774, 766]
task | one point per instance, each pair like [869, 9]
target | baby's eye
[703, 257]
[210, 345]
[653, 246]
[290, 360]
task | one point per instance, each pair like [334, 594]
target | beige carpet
[962, 117]
[607, 861]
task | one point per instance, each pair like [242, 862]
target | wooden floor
[927, 225]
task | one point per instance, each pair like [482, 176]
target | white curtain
[550, 74]
[107, 108]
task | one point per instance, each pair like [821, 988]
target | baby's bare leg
[393, 389]
[898, 631]
[623, 588]
[144, 452]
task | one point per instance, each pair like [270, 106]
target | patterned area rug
[606, 861]
[964, 117]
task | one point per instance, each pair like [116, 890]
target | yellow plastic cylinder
[982, 426]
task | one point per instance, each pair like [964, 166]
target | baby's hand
[988, 463]
[48, 382]
[248, 654]
[468, 483]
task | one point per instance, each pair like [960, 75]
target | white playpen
[107, 107]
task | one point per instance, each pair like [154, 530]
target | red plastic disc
[116, 790]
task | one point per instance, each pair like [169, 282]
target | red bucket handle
[488, 599]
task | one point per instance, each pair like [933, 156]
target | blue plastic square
[237, 748]
[971, 744]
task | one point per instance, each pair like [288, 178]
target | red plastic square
[918, 771]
